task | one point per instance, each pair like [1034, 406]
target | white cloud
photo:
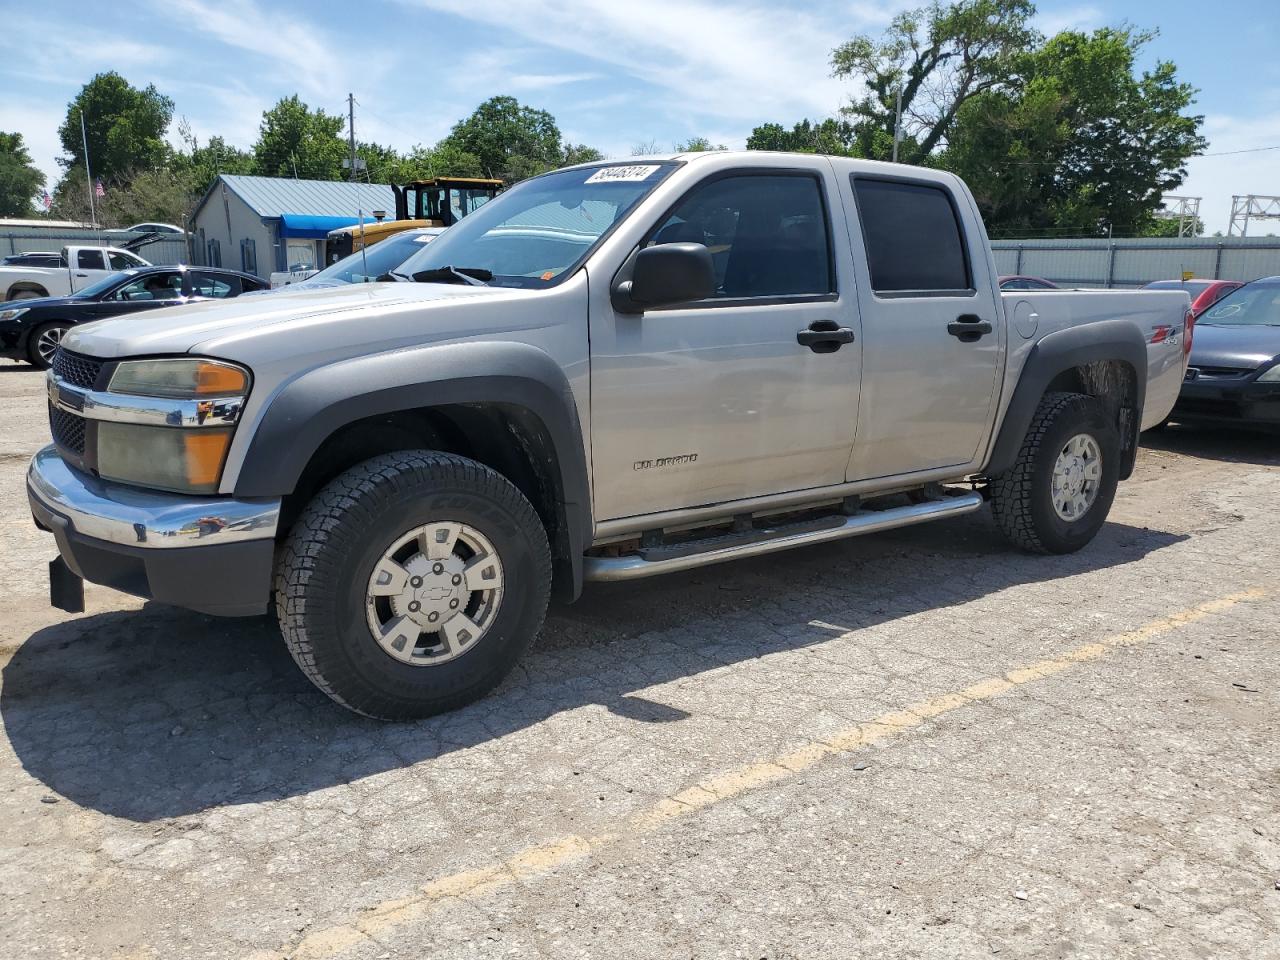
[292, 48]
[745, 63]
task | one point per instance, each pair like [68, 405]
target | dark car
[1234, 370]
[1203, 293]
[33, 260]
[1020, 282]
[32, 329]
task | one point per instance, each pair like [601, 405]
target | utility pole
[84, 137]
[351, 131]
[897, 124]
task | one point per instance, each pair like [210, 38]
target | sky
[614, 74]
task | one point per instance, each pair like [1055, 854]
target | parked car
[147, 228]
[1019, 282]
[608, 372]
[1203, 293]
[32, 329]
[33, 259]
[78, 267]
[371, 264]
[1234, 373]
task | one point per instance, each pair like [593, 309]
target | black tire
[38, 338]
[326, 562]
[1022, 498]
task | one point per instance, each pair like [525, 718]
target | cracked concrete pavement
[854, 750]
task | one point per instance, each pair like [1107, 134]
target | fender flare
[311, 408]
[1054, 354]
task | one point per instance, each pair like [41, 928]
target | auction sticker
[623, 174]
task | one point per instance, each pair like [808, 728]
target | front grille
[1224, 373]
[67, 430]
[76, 369]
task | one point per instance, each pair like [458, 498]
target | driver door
[718, 400]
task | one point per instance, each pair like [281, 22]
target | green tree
[199, 165]
[940, 57]
[697, 145]
[19, 178]
[510, 140]
[125, 128]
[572, 153]
[831, 136]
[295, 141]
[1082, 143]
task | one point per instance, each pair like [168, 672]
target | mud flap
[66, 590]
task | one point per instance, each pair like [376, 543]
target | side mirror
[665, 274]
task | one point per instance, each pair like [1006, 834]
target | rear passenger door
[932, 327]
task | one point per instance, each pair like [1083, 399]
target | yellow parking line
[542, 858]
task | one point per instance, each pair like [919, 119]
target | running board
[651, 562]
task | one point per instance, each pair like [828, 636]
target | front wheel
[412, 583]
[1057, 495]
[43, 343]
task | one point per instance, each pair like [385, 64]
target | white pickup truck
[607, 372]
[81, 267]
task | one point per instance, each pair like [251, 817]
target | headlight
[12, 313]
[1271, 375]
[180, 379]
[178, 438]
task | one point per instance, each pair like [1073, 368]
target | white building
[263, 224]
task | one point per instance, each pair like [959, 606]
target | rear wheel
[412, 583]
[44, 341]
[1057, 495]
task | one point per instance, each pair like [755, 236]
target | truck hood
[1243, 345]
[207, 326]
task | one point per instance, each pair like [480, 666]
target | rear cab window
[914, 238]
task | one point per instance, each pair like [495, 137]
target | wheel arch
[508, 406]
[1107, 360]
[24, 286]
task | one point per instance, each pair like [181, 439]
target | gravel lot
[918, 744]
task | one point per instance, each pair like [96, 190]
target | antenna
[93, 214]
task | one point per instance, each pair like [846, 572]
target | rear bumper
[213, 555]
[1243, 402]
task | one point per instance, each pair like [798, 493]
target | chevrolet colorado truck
[610, 371]
[80, 267]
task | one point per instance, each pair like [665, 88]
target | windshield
[1193, 287]
[1257, 304]
[540, 230]
[375, 260]
[102, 286]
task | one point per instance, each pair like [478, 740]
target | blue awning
[306, 225]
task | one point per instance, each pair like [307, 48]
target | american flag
[97, 188]
[47, 200]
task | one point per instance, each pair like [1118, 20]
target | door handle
[969, 327]
[825, 336]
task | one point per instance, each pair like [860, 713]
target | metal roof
[276, 196]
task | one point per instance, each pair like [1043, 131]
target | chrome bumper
[129, 516]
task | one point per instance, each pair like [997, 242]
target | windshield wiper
[476, 276]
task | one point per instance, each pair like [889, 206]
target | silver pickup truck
[608, 372]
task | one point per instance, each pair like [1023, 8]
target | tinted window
[767, 234]
[1015, 285]
[207, 285]
[33, 260]
[152, 286]
[1193, 287]
[91, 260]
[120, 261]
[913, 237]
